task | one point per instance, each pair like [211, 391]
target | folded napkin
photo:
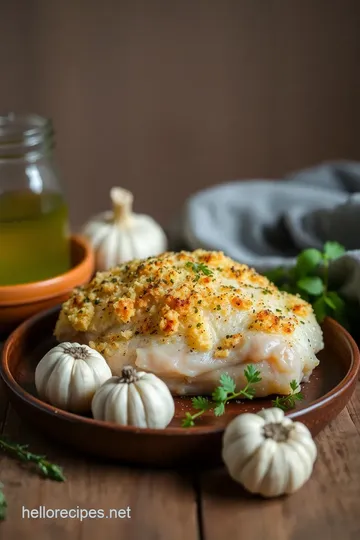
[265, 223]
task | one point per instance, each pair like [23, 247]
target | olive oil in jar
[34, 236]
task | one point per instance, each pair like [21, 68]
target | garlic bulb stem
[277, 431]
[122, 201]
[78, 352]
[128, 375]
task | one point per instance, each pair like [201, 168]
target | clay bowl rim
[43, 407]
[27, 293]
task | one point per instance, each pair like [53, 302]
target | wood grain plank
[162, 503]
[354, 407]
[326, 508]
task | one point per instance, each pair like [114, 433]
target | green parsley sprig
[223, 393]
[289, 401]
[199, 268]
[201, 404]
[310, 279]
[21, 452]
[226, 391]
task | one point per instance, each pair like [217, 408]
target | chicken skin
[188, 317]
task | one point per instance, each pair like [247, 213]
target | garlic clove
[272, 457]
[136, 399]
[69, 375]
[121, 235]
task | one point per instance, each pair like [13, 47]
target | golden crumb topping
[174, 293]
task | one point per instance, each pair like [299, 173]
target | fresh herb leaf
[312, 285]
[335, 300]
[304, 279]
[188, 420]
[333, 250]
[277, 403]
[227, 382]
[199, 267]
[320, 309]
[307, 261]
[201, 402]
[219, 394]
[249, 392]
[204, 269]
[21, 452]
[289, 401]
[219, 409]
[3, 504]
[252, 374]
[336, 307]
[328, 300]
[222, 394]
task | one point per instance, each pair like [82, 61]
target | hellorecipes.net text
[42, 512]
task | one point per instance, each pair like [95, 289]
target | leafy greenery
[227, 391]
[3, 504]
[312, 285]
[21, 452]
[333, 250]
[199, 267]
[310, 279]
[222, 394]
[307, 261]
[289, 401]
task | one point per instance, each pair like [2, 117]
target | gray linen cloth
[265, 223]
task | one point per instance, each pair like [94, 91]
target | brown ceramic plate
[326, 394]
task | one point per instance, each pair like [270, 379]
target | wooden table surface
[171, 505]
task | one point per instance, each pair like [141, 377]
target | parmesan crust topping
[172, 294]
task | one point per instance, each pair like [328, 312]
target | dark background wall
[167, 97]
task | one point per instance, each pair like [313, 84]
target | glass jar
[34, 228]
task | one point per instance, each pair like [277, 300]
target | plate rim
[36, 403]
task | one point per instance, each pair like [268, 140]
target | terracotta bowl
[325, 395]
[18, 302]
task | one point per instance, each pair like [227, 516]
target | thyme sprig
[289, 401]
[21, 452]
[42, 465]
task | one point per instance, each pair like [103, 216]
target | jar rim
[21, 134]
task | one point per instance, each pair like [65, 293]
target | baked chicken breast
[188, 317]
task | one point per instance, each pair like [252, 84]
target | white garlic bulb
[69, 375]
[134, 399]
[268, 453]
[121, 235]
